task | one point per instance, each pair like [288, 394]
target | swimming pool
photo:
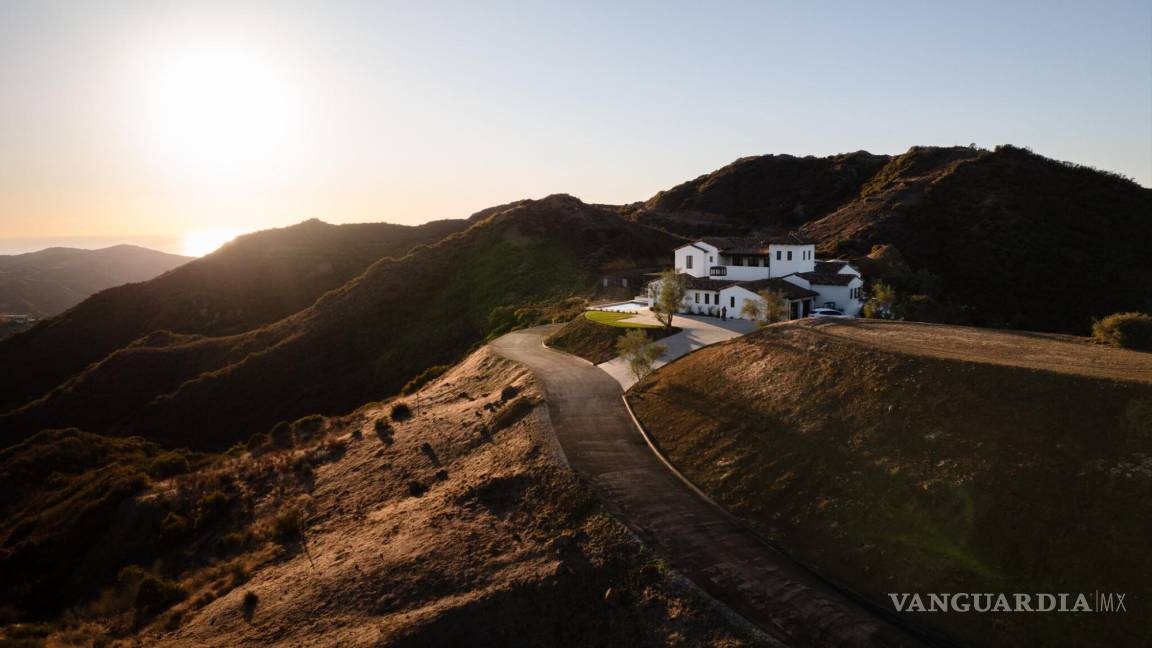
[632, 306]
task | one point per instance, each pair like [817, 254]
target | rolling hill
[256, 279]
[1008, 237]
[53, 280]
[902, 457]
[358, 343]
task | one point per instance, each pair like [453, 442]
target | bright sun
[198, 244]
[219, 111]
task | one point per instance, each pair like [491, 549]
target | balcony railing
[718, 271]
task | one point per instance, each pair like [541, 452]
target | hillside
[257, 279]
[53, 280]
[766, 193]
[359, 343]
[899, 457]
[456, 522]
[1006, 237]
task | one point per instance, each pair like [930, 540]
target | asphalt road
[708, 546]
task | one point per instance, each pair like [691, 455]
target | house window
[777, 255]
[697, 298]
[689, 261]
[731, 302]
[710, 259]
[789, 255]
[705, 298]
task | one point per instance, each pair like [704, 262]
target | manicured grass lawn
[617, 319]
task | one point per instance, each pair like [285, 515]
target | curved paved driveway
[712, 548]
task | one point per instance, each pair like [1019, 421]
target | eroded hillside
[896, 457]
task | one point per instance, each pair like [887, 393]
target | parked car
[826, 312]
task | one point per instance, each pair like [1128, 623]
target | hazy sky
[162, 118]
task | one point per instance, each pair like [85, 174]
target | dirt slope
[922, 458]
[457, 525]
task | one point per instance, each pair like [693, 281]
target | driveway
[713, 549]
[697, 332]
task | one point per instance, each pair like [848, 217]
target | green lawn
[617, 319]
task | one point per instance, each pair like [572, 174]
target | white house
[723, 273]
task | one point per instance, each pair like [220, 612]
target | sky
[189, 122]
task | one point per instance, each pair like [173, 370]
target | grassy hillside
[359, 343]
[452, 521]
[257, 279]
[52, 280]
[921, 458]
[1006, 237]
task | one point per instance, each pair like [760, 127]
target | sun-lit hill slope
[456, 524]
[901, 457]
[1014, 238]
[359, 343]
[257, 279]
[50, 281]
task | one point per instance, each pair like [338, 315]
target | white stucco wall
[703, 257]
[803, 259]
[841, 295]
[734, 299]
[745, 273]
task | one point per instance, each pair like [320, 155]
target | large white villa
[723, 273]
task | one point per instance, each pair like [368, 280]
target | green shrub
[249, 604]
[308, 426]
[168, 464]
[231, 543]
[1125, 330]
[401, 411]
[212, 507]
[157, 594]
[174, 527]
[258, 441]
[281, 435]
[287, 526]
[423, 378]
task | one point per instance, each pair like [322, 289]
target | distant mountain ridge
[52, 280]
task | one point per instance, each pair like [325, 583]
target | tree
[754, 309]
[772, 307]
[669, 297]
[881, 302]
[776, 307]
[639, 352]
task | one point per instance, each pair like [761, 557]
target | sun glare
[219, 110]
[198, 244]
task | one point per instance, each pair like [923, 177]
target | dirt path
[713, 549]
[1050, 352]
